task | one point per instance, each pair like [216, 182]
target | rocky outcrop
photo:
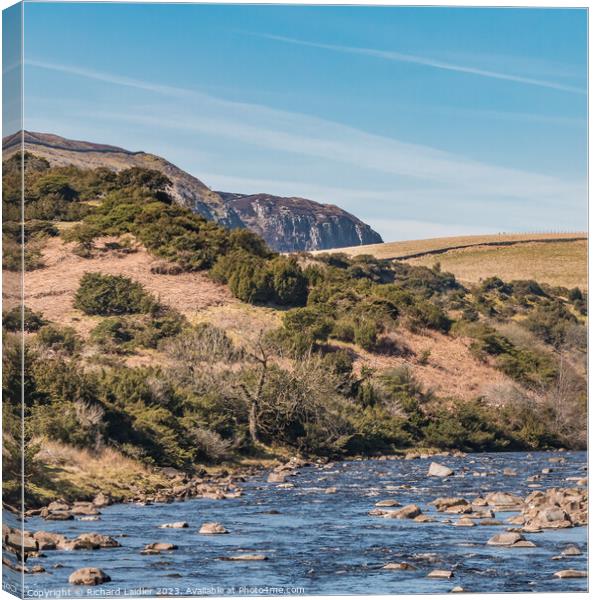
[298, 224]
[287, 224]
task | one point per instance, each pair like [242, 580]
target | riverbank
[493, 522]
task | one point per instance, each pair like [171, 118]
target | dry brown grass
[557, 259]
[555, 263]
[450, 370]
[51, 290]
[75, 473]
[413, 247]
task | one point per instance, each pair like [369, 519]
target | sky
[423, 122]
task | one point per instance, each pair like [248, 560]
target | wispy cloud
[381, 178]
[426, 62]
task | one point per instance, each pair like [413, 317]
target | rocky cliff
[291, 224]
[287, 224]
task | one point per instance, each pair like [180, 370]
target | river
[322, 543]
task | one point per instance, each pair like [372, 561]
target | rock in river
[570, 574]
[387, 503]
[410, 511]
[160, 546]
[441, 573]
[212, 528]
[249, 557]
[437, 470]
[176, 525]
[505, 539]
[88, 576]
[400, 566]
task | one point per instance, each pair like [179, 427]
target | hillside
[159, 335]
[556, 259]
[287, 224]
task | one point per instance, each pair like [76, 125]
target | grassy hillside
[556, 259]
[160, 336]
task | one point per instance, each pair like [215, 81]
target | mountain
[186, 189]
[287, 224]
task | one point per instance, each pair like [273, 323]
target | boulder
[331, 490]
[84, 509]
[524, 544]
[59, 515]
[99, 540]
[212, 529]
[571, 551]
[424, 519]
[570, 574]
[48, 540]
[410, 511]
[176, 525]
[437, 470]
[441, 573]
[88, 576]
[504, 501]
[465, 522]
[399, 566]
[161, 546]
[102, 499]
[441, 504]
[508, 538]
[387, 503]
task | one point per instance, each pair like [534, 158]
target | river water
[323, 543]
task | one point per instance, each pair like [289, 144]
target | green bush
[31, 321]
[60, 339]
[108, 295]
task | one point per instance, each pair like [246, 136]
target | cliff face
[287, 224]
[297, 224]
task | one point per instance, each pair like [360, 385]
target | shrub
[366, 333]
[288, 282]
[108, 295]
[32, 321]
[59, 339]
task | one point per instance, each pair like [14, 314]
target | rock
[465, 522]
[161, 546]
[504, 501]
[249, 557]
[441, 504]
[571, 551]
[88, 576]
[331, 490]
[406, 512]
[37, 569]
[57, 566]
[102, 499]
[90, 518]
[570, 574]
[387, 503]
[176, 525]
[59, 515]
[437, 470]
[509, 472]
[49, 541]
[212, 528]
[505, 539]
[457, 589]
[84, 508]
[424, 519]
[98, 540]
[441, 573]
[276, 477]
[524, 544]
[58, 506]
[400, 566]
[490, 522]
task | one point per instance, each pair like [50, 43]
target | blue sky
[421, 121]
